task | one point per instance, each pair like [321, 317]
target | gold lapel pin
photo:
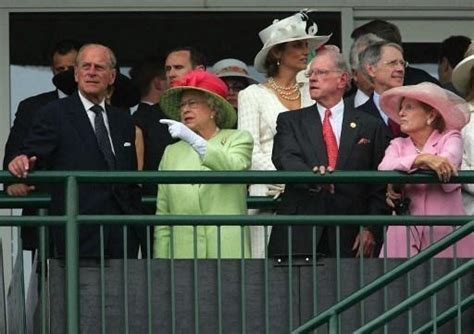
[353, 125]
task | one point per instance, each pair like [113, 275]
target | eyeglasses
[192, 104]
[319, 73]
[394, 63]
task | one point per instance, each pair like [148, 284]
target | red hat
[202, 81]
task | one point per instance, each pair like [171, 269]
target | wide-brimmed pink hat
[453, 109]
[202, 81]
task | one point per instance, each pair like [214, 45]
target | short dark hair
[271, 62]
[196, 56]
[144, 72]
[64, 47]
[453, 49]
[386, 30]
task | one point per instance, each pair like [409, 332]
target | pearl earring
[212, 116]
[278, 62]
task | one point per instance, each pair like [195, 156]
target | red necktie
[329, 140]
[394, 128]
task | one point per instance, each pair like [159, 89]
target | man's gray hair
[339, 62]
[372, 54]
[359, 45]
[112, 58]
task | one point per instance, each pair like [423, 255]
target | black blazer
[24, 119]
[155, 136]
[370, 108]
[63, 137]
[299, 146]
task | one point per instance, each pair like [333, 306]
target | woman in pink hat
[432, 117]
[286, 46]
[203, 119]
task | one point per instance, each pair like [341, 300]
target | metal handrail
[71, 218]
[416, 298]
[233, 177]
[387, 278]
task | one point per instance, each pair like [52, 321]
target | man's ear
[370, 70]
[200, 67]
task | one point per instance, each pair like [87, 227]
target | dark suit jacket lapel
[349, 131]
[81, 121]
[313, 130]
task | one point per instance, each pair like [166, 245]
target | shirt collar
[377, 104]
[336, 111]
[88, 104]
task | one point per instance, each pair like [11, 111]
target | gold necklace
[290, 93]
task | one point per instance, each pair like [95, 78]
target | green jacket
[227, 150]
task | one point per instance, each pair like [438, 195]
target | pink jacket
[426, 199]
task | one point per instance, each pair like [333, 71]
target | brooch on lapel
[223, 141]
[353, 125]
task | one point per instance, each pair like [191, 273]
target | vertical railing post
[334, 324]
[72, 257]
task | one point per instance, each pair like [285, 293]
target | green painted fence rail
[71, 219]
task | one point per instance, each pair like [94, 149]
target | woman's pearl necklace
[290, 93]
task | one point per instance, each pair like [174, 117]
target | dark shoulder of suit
[24, 119]
[415, 76]
[155, 135]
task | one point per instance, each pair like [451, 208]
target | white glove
[275, 190]
[181, 131]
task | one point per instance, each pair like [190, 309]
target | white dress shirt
[337, 116]
[91, 115]
[377, 104]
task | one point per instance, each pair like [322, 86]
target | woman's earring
[212, 116]
[278, 62]
[428, 122]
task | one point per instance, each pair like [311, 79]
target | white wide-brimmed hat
[294, 28]
[453, 109]
[462, 72]
[231, 68]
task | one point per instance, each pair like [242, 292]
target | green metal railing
[72, 219]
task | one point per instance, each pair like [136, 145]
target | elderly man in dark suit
[81, 132]
[330, 135]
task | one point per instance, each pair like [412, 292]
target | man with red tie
[385, 67]
[329, 135]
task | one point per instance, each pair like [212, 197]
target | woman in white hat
[286, 46]
[463, 81]
[235, 74]
[432, 117]
[202, 118]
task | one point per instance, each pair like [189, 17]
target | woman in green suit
[203, 120]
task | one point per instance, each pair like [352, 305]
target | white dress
[258, 109]
[468, 162]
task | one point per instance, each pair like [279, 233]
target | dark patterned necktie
[103, 136]
[330, 140]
